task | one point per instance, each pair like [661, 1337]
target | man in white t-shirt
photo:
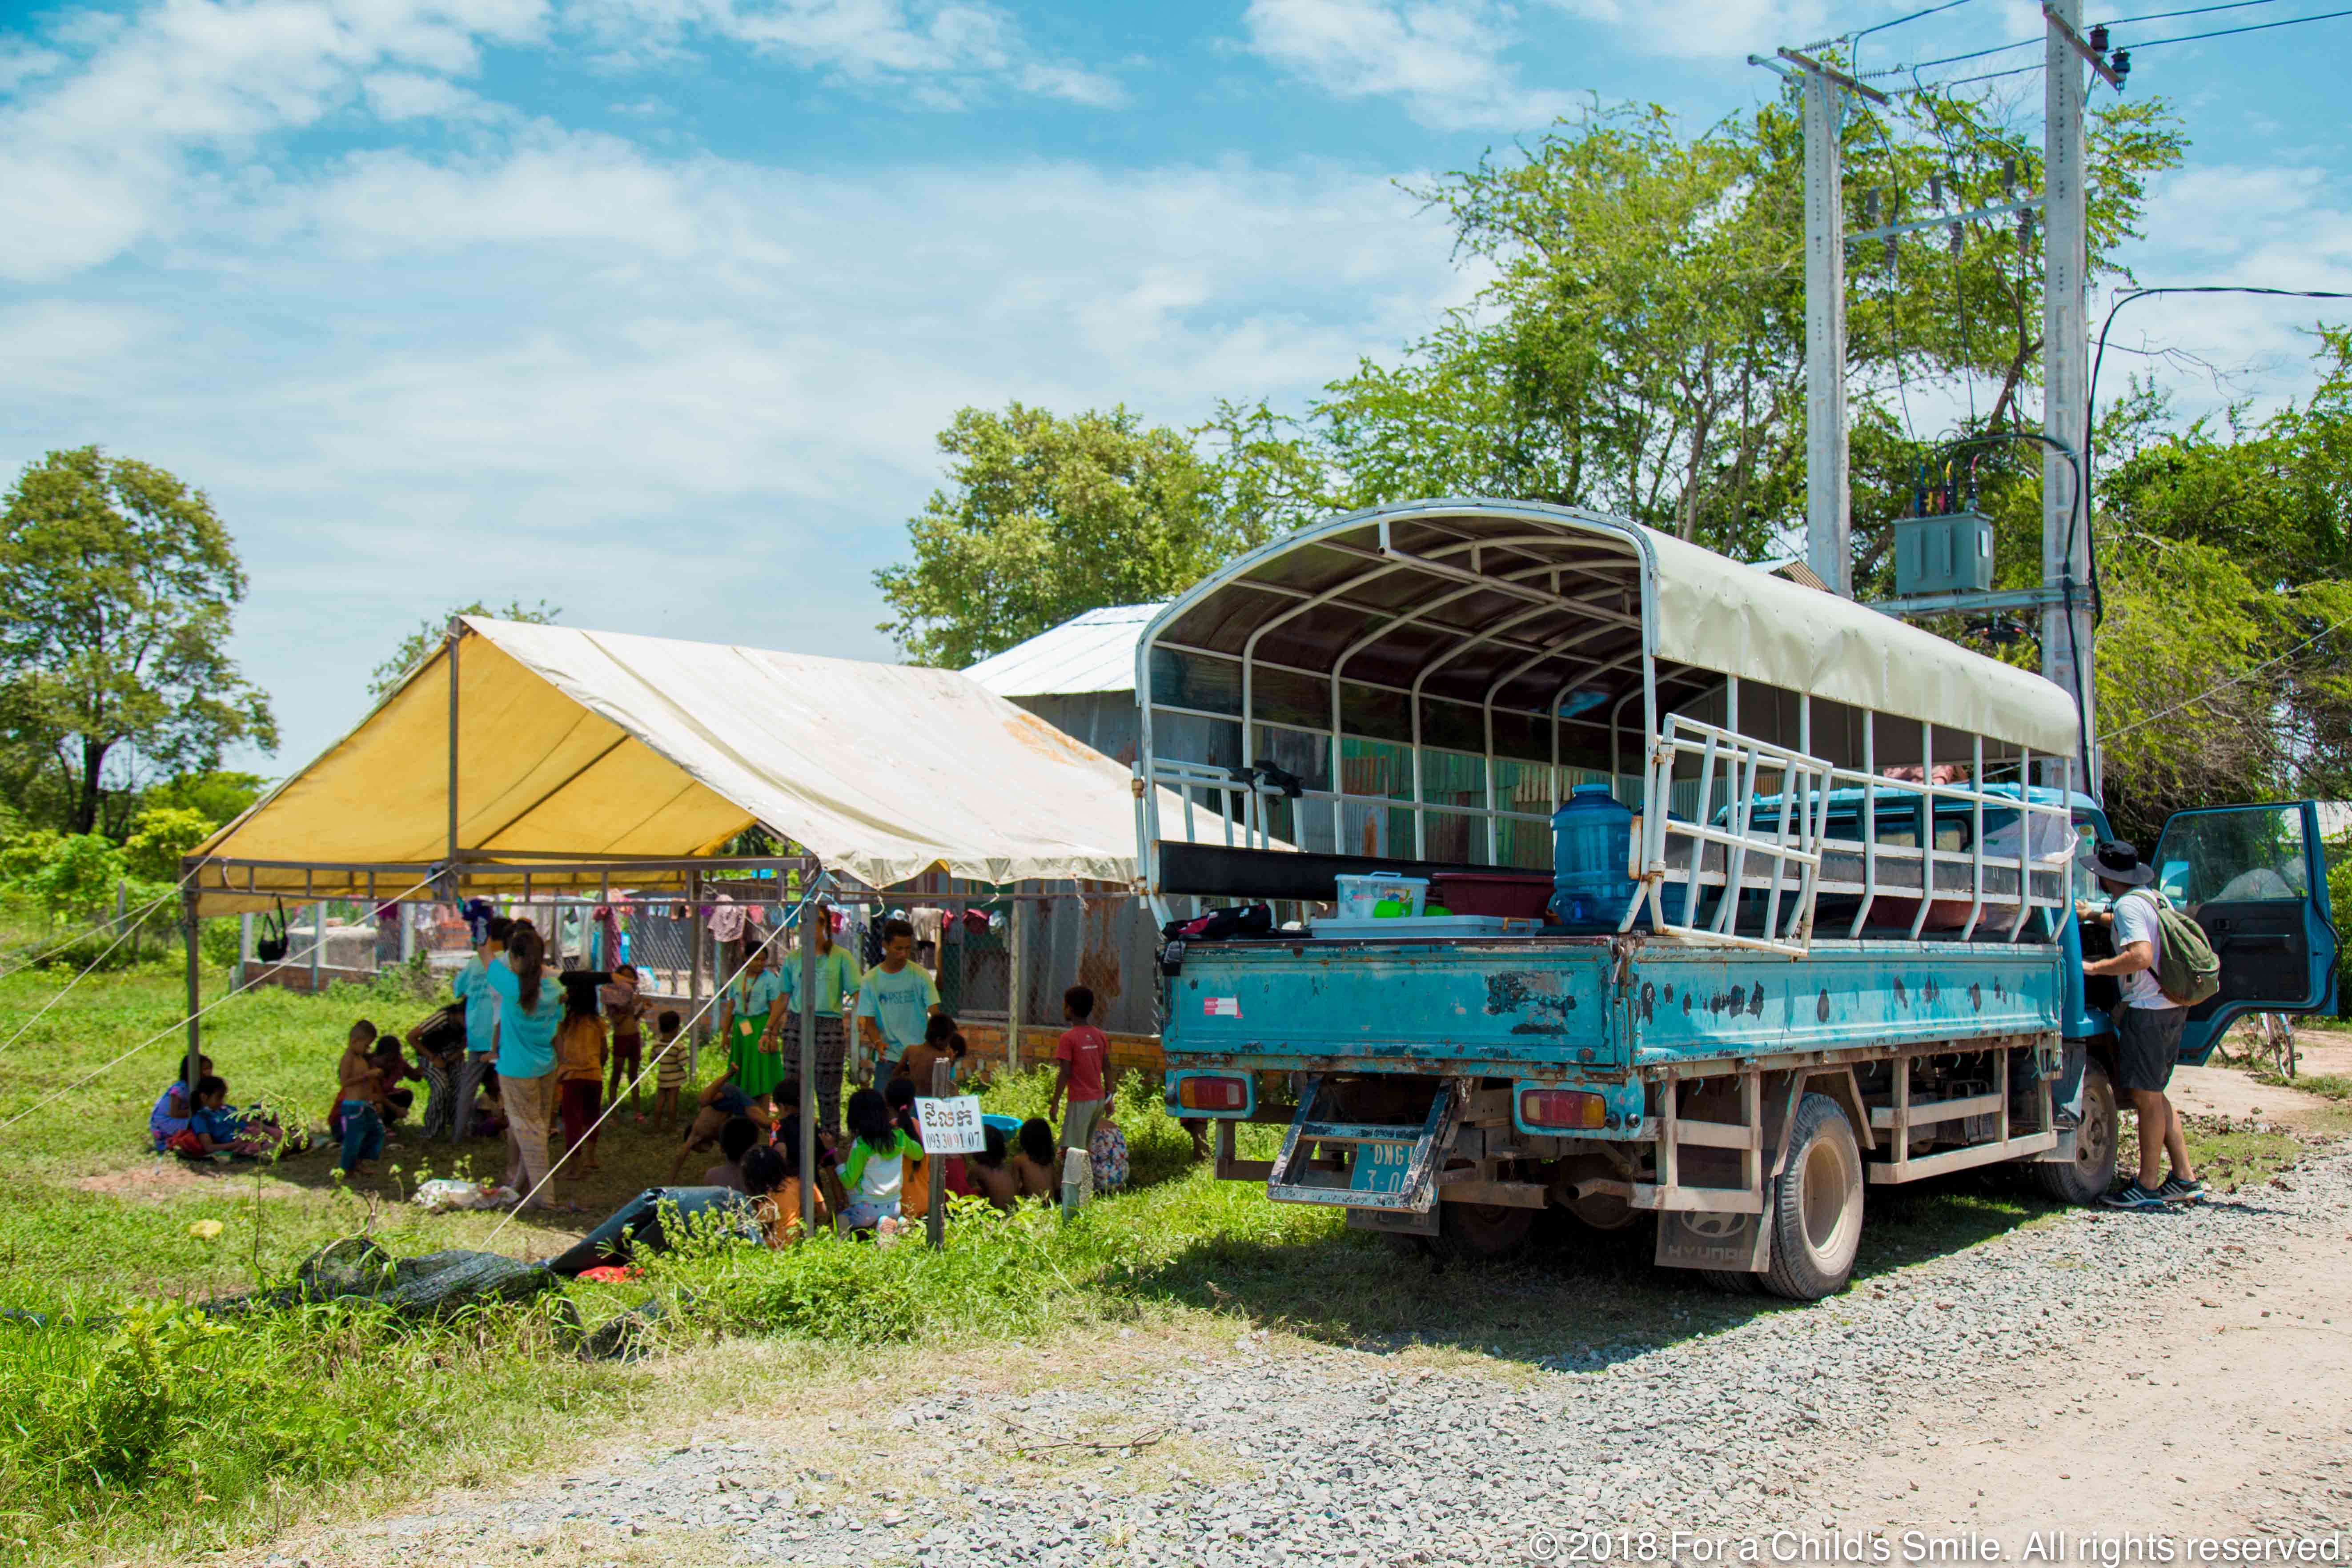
[2147, 1026]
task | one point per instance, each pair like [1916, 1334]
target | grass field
[133, 1429]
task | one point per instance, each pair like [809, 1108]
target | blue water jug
[1591, 840]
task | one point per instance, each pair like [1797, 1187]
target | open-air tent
[601, 748]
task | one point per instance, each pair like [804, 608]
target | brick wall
[1137, 1052]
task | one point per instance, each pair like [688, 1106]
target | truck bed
[1565, 1006]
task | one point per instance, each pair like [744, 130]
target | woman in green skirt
[760, 995]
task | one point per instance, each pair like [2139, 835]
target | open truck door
[2256, 878]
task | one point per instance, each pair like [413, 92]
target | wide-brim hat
[2114, 860]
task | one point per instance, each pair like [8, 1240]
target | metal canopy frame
[1493, 608]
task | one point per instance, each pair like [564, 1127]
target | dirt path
[2226, 1091]
[2220, 1407]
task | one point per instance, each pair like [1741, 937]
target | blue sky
[652, 307]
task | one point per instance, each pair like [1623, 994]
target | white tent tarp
[590, 744]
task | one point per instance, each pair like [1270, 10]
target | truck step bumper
[1385, 1167]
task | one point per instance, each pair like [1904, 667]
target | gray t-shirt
[2136, 920]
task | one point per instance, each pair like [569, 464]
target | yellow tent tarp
[594, 744]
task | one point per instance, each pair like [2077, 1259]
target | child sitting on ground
[831, 1199]
[1107, 1151]
[215, 1128]
[718, 1104]
[990, 1177]
[394, 1101]
[737, 1138]
[875, 1176]
[490, 1109]
[772, 1174]
[670, 1068]
[174, 1107]
[1034, 1172]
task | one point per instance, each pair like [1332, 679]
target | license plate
[1380, 1167]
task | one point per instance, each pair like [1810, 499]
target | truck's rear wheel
[2092, 1171]
[1468, 1232]
[1815, 1207]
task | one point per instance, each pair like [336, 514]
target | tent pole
[694, 975]
[457, 629]
[808, 911]
[1015, 977]
[195, 991]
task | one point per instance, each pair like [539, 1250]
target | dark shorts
[2148, 1044]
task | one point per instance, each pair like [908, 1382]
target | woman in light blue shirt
[530, 1008]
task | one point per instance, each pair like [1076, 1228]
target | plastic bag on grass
[445, 1194]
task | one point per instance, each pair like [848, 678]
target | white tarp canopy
[592, 744]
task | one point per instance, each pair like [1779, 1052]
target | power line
[2232, 32]
[2237, 679]
[2192, 11]
[1977, 53]
[2091, 391]
[1963, 82]
[1881, 27]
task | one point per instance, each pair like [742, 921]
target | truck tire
[1730, 1281]
[1815, 1205]
[2092, 1171]
[1469, 1233]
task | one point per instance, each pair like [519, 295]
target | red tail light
[1564, 1108]
[1213, 1094]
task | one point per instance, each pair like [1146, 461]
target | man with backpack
[2152, 940]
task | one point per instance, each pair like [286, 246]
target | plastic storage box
[1360, 896]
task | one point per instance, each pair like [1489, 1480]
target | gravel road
[1277, 1451]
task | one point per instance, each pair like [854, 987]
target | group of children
[872, 1172]
[871, 1169]
[202, 1124]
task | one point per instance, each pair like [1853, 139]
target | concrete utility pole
[2065, 346]
[1829, 504]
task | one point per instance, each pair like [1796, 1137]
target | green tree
[1640, 346]
[69, 874]
[118, 583]
[419, 645]
[1045, 517]
[159, 837]
[218, 795]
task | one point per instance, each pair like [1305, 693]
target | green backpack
[2186, 970]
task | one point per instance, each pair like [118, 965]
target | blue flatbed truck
[1850, 954]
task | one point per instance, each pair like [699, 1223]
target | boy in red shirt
[1083, 1051]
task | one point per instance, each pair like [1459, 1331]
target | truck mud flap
[1388, 1169]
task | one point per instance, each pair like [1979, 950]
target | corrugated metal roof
[1093, 652]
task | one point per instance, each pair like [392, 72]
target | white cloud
[118, 117]
[1445, 60]
[944, 52]
[2290, 227]
[1449, 62]
[1708, 29]
[693, 396]
[103, 152]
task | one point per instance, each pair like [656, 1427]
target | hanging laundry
[726, 918]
